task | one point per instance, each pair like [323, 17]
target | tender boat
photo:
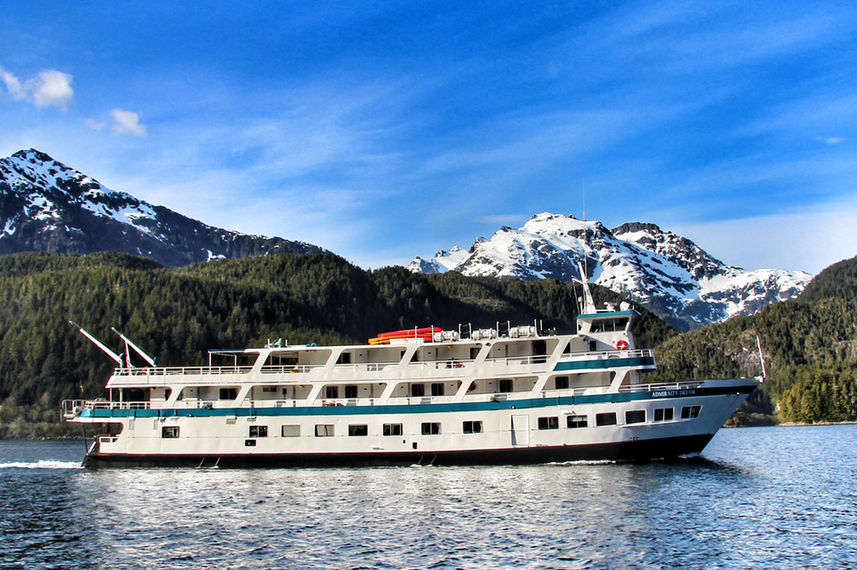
[502, 395]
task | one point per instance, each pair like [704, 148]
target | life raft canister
[622, 345]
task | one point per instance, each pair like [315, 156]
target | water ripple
[757, 497]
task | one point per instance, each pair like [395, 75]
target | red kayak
[410, 333]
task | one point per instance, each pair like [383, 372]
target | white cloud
[96, 125]
[831, 140]
[127, 123]
[504, 219]
[809, 241]
[49, 88]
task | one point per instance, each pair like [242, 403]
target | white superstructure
[500, 395]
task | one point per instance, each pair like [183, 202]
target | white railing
[664, 386]
[183, 370]
[290, 368]
[517, 360]
[608, 354]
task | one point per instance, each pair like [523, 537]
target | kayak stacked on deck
[426, 334]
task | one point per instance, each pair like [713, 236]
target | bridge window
[576, 421]
[258, 431]
[635, 416]
[605, 419]
[170, 432]
[688, 412]
[663, 414]
[551, 422]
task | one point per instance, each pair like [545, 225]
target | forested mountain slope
[810, 347]
[179, 313]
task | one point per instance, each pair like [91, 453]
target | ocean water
[760, 497]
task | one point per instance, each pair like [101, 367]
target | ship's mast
[137, 349]
[98, 343]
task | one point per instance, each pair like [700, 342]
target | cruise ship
[422, 396]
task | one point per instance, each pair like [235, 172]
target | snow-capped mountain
[47, 206]
[667, 273]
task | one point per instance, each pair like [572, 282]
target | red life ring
[622, 345]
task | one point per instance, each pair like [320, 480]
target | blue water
[762, 497]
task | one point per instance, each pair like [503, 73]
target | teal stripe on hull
[606, 363]
[421, 408]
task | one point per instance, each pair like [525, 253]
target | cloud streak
[48, 88]
[127, 123]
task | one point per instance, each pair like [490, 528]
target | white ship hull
[512, 395]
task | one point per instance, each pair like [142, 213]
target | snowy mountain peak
[48, 206]
[668, 273]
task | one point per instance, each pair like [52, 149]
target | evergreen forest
[810, 344]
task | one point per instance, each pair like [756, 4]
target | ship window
[605, 419]
[593, 346]
[561, 382]
[505, 385]
[431, 428]
[228, 393]
[269, 388]
[324, 430]
[688, 412]
[392, 429]
[344, 358]
[474, 352]
[290, 431]
[472, 426]
[351, 391]
[331, 391]
[358, 429]
[551, 422]
[576, 421]
[258, 431]
[170, 432]
[249, 443]
[418, 390]
[635, 416]
[437, 389]
[663, 414]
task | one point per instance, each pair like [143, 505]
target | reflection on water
[778, 497]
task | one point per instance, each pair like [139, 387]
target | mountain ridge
[48, 206]
[662, 270]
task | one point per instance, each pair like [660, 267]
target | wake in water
[42, 464]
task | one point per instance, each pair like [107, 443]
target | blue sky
[385, 130]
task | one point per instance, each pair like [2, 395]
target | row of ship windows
[415, 390]
[467, 427]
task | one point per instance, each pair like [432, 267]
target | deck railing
[183, 370]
